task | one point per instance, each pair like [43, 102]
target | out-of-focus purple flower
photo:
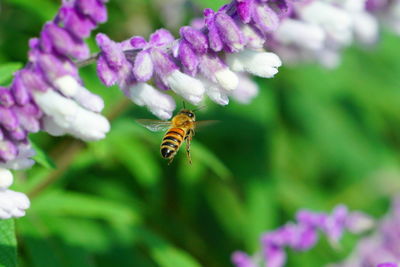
[381, 247]
[388, 264]
[303, 235]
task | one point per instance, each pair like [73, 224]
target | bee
[181, 128]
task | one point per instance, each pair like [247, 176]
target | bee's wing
[201, 124]
[155, 125]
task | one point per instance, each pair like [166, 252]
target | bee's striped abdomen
[171, 142]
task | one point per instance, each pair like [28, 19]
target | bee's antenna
[184, 105]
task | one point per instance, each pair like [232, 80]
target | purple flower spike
[95, 9]
[230, 33]
[265, 19]
[143, 67]
[188, 58]
[76, 23]
[58, 38]
[196, 39]
[6, 98]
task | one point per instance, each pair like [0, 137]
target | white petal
[71, 88]
[51, 127]
[263, 64]
[189, 88]
[71, 117]
[6, 178]
[366, 27]
[253, 40]
[246, 91]
[303, 34]
[160, 104]
[215, 93]
[227, 79]
[336, 22]
[4, 214]
[67, 85]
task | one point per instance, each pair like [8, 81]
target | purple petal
[161, 37]
[229, 32]
[138, 42]
[77, 24]
[19, 91]
[53, 67]
[163, 63]
[241, 259]
[33, 79]
[214, 39]
[188, 58]
[18, 134]
[244, 9]
[210, 64]
[143, 67]
[6, 98]
[107, 75]
[275, 256]
[111, 51]
[27, 117]
[8, 151]
[58, 38]
[96, 10]
[8, 119]
[265, 19]
[195, 38]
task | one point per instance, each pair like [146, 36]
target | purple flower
[302, 235]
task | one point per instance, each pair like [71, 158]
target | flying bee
[180, 128]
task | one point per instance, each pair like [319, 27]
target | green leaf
[85, 206]
[7, 70]
[8, 244]
[165, 254]
[43, 8]
[204, 156]
[42, 158]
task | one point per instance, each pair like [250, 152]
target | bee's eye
[190, 115]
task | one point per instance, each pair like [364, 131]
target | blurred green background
[313, 138]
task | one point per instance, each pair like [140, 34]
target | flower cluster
[213, 56]
[381, 246]
[48, 94]
[303, 235]
[210, 58]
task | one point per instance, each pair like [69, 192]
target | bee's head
[188, 112]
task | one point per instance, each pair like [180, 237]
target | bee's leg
[170, 161]
[188, 140]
